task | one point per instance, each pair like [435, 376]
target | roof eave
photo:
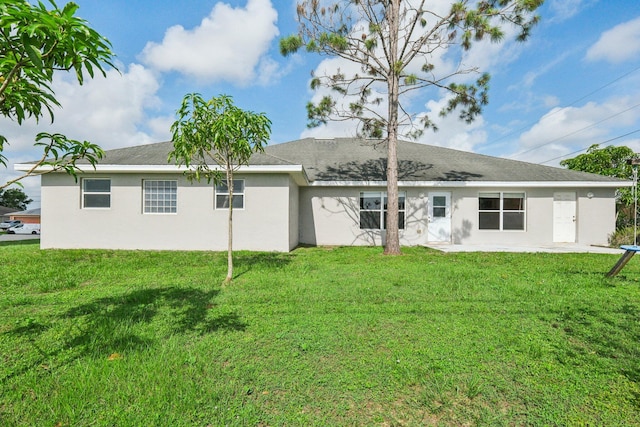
[296, 171]
[479, 184]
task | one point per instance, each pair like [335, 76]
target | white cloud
[106, 111]
[228, 45]
[487, 55]
[564, 9]
[619, 44]
[453, 132]
[565, 130]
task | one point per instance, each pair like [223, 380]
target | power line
[582, 149]
[576, 131]
[565, 107]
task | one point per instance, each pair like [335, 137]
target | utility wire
[582, 149]
[576, 131]
[565, 107]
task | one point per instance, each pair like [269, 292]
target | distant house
[325, 192]
[4, 213]
[30, 216]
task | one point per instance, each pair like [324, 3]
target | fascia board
[300, 177]
[297, 171]
[478, 184]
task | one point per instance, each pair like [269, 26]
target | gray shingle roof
[348, 159]
[5, 210]
[28, 212]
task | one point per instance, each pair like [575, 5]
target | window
[160, 196]
[501, 211]
[96, 193]
[373, 210]
[222, 195]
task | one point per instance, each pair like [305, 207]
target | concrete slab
[558, 248]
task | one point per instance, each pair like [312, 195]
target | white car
[8, 224]
[24, 229]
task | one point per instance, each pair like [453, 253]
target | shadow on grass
[124, 323]
[182, 310]
[245, 262]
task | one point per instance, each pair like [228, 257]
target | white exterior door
[439, 227]
[564, 217]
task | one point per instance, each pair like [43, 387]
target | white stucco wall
[595, 217]
[278, 215]
[330, 216]
[294, 216]
[263, 224]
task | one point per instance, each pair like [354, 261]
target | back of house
[325, 192]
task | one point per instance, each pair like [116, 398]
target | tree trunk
[392, 245]
[230, 227]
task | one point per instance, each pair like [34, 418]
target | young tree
[210, 136]
[396, 45]
[35, 42]
[14, 198]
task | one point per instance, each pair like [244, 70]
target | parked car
[24, 229]
[8, 224]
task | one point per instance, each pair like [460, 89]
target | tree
[35, 42]
[212, 135]
[396, 44]
[609, 161]
[14, 198]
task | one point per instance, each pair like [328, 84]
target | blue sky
[574, 83]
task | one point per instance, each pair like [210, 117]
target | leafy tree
[210, 136]
[35, 42]
[397, 45]
[609, 161]
[14, 198]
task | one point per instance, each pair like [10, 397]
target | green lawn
[342, 336]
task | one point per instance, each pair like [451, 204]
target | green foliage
[470, 96]
[337, 31]
[623, 236]
[317, 337]
[14, 198]
[216, 131]
[400, 34]
[36, 42]
[291, 44]
[608, 161]
[319, 114]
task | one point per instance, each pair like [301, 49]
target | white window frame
[501, 211]
[219, 190]
[382, 209]
[154, 191]
[96, 193]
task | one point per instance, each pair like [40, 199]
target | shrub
[622, 236]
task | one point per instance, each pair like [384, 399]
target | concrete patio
[557, 248]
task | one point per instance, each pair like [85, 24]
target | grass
[320, 336]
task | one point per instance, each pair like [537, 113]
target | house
[4, 213]
[324, 192]
[30, 216]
